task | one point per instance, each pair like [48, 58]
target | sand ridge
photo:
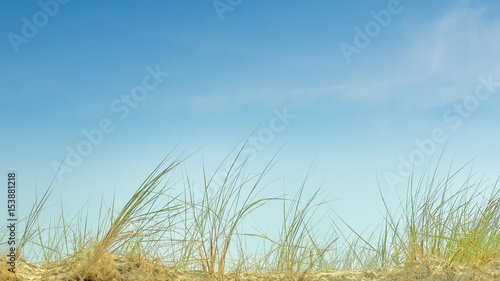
[120, 269]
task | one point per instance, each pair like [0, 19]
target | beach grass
[446, 226]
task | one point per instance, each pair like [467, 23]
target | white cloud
[438, 64]
[442, 61]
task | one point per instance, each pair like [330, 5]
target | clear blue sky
[365, 81]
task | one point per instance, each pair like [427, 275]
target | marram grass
[444, 229]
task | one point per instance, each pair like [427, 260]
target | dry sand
[119, 269]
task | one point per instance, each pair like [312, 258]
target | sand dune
[120, 269]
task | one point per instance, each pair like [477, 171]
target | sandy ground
[117, 270]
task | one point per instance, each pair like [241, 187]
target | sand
[119, 269]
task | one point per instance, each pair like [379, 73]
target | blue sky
[355, 117]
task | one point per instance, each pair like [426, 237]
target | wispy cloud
[265, 97]
[442, 61]
[426, 64]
